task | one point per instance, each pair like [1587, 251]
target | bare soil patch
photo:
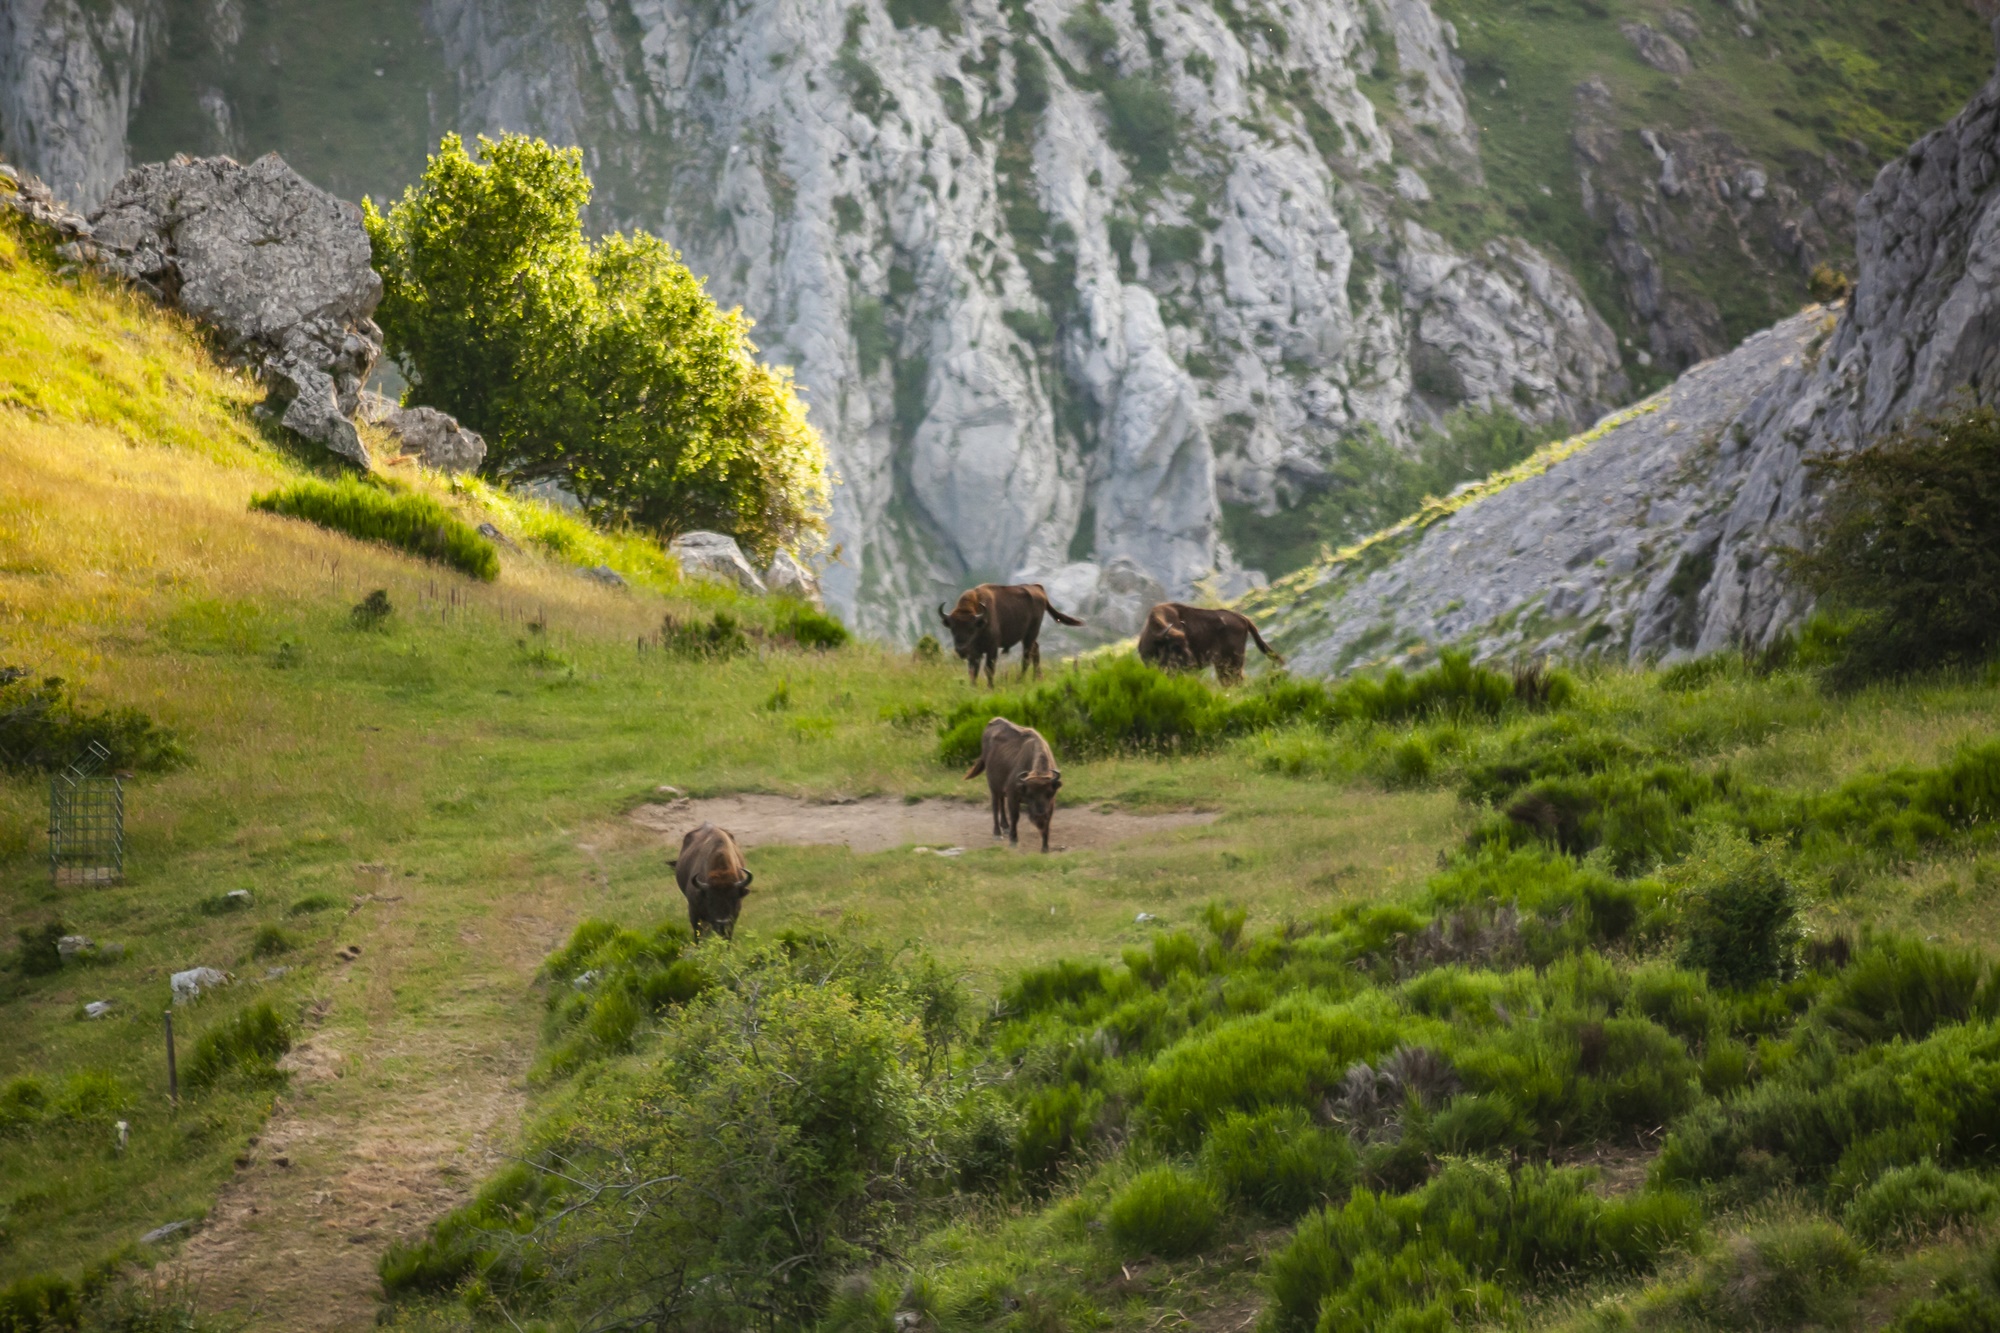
[885, 823]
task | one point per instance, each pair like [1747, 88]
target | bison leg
[972, 670]
[1013, 816]
[1031, 652]
[998, 814]
[992, 660]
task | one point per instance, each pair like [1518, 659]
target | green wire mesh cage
[87, 822]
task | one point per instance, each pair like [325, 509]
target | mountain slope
[1658, 535]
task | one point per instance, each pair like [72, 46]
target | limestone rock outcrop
[435, 438]
[788, 576]
[1031, 336]
[715, 555]
[278, 268]
[1657, 537]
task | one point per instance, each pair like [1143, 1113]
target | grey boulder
[436, 438]
[715, 556]
[788, 576]
[276, 266]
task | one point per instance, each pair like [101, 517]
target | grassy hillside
[424, 811]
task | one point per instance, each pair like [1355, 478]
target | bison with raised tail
[992, 618]
[1020, 773]
[713, 878]
[1188, 638]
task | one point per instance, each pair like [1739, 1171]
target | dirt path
[884, 823]
[391, 1119]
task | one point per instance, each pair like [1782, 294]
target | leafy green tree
[1908, 545]
[607, 365]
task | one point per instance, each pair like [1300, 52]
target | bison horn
[744, 885]
[941, 615]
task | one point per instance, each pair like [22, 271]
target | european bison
[1020, 771]
[992, 618]
[711, 874]
[1189, 638]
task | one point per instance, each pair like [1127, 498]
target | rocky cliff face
[1062, 278]
[1655, 538]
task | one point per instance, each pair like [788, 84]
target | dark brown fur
[992, 618]
[1020, 771]
[712, 876]
[1188, 638]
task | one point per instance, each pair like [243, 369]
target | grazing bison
[1188, 638]
[1020, 771]
[711, 874]
[992, 618]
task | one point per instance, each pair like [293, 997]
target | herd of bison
[1020, 769]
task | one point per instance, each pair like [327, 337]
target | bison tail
[1266, 648]
[1062, 619]
[976, 769]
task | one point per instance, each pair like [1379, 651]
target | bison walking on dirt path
[1020, 771]
[712, 876]
[1188, 638]
[992, 618]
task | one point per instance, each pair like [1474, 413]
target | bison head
[1038, 799]
[1170, 649]
[967, 623]
[722, 899]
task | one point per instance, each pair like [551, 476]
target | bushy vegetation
[1906, 544]
[248, 1043]
[1122, 704]
[44, 729]
[606, 364]
[372, 512]
[788, 1120]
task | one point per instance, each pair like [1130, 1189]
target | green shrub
[1906, 988]
[249, 1041]
[1739, 920]
[468, 1240]
[1964, 1302]
[1800, 1275]
[40, 1303]
[811, 627]
[1055, 1125]
[776, 1133]
[43, 729]
[1278, 1161]
[1913, 1203]
[1450, 1249]
[1906, 543]
[414, 523]
[606, 983]
[1838, 1121]
[1122, 704]
[1166, 1212]
[1288, 1056]
[272, 940]
[40, 954]
[24, 1104]
[722, 637]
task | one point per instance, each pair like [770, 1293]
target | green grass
[414, 523]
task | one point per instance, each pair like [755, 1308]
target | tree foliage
[1908, 542]
[606, 364]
